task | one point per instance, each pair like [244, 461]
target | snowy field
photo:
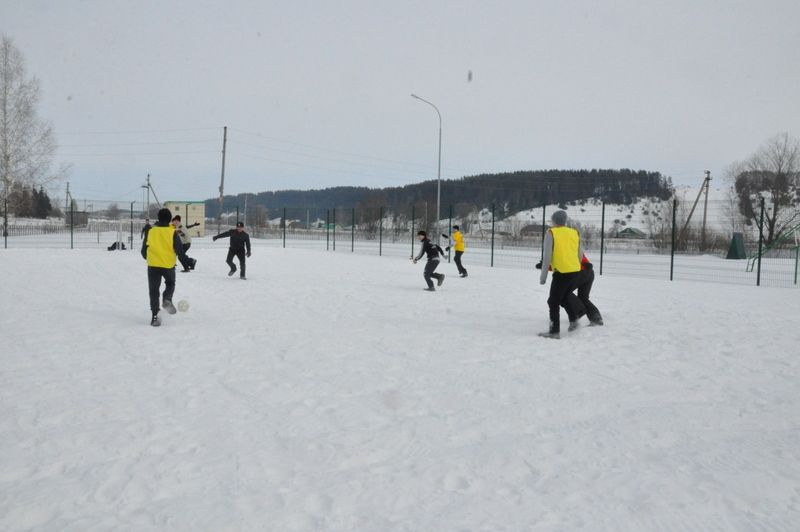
[329, 392]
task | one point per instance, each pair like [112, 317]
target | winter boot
[230, 273]
[597, 322]
[573, 325]
[430, 289]
[440, 280]
[155, 321]
[168, 306]
[552, 333]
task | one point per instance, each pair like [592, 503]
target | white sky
[677, 87]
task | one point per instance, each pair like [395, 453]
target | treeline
[28, 202]
[513, 191]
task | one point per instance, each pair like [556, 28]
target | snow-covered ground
[329, 392]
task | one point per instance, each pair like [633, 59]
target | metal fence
[656, 239]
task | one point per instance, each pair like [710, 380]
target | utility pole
[66, 201]
[707, 184]
[222, 179]
[703, 187]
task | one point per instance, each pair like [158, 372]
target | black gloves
[446, 236]
[248, 253]
[539, 265]
[447, 248]
[214, 239]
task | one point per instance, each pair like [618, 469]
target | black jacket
[430, 249]
[239, 241]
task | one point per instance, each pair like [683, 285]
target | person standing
[160, 247]
[239, 247]
[459, 248]
[186, 242]
[146, 228]
[433, 252]
[562, 253]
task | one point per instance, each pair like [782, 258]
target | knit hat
[559, 218]
[239, 224]
[456, 228]
[164, 216]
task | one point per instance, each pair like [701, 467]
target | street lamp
[439, 170]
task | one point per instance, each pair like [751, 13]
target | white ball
[183, 305]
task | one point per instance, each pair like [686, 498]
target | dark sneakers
[440, 280]
[597, 322]
[169, 307]
[573, 325]
[553, 335]
[430, 289]
[155, 321]
[243, 278]
[194, 263]
[230, 273]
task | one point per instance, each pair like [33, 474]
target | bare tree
[27, 144]
[772, 173]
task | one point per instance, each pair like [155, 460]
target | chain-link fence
[680, 238]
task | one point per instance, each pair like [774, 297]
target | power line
[137, 131]
[135, 143]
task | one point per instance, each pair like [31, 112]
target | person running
[577, 306]
[186, 241]
[239, 247]
[562, 253]
[160, 247]
[458, 247]
[433, 252]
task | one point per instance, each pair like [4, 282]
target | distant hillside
[515, 191]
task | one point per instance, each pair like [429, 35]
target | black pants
[585, 281]
[239, 254]
[187, 263]
[154, 276]
[430, 267]
[561, 285]
[457, 260]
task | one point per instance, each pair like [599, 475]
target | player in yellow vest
[562, 253]
[161, 246]
[459, 248]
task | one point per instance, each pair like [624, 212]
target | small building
[532, 230]
[631, 232]
[191, 212]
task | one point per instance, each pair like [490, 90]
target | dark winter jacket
[430, 249]
[240, 241]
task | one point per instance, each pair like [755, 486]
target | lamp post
[439, 170]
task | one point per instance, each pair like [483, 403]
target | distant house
[192, 212]
[631, 232]
[532, 230]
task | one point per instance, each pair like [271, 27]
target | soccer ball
[183, 305]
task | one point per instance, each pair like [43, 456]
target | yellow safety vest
[566, 243]
[458, 238]
[160, 251]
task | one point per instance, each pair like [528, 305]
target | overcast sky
[317, 94]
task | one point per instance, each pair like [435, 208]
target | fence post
[71, 225]
[284, 224]
[449, 233]
[327, 229]
[353, 231]
[334, 228]
[672, 247]
[544, 228]
[491, 263]
[796, 260]
[237, 214]
[412, 231]
[380, 233]
[760, 242]
[132, 225]
[602, 234]
[5, 223]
